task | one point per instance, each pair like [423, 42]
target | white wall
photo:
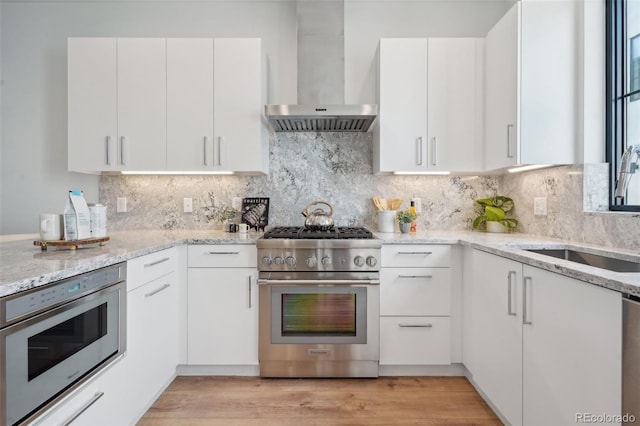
[33, 133]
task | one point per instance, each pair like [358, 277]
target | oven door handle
[318, 282]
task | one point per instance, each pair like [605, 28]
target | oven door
[317, 328]
[49, 353]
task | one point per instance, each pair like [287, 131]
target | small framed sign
[255, 212]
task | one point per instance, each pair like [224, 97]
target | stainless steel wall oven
[319, 305]
[56, 336]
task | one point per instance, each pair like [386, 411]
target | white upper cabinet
[173, 105]
[92, 104]
[190, 104]
[530, 86]
[241, 138]
[142, 103]
[430, 100]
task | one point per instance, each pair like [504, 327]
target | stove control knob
[266, 260]
[278, 260]
[358, 261]
[327, 261]
[312, 261]
[290, 261]
[372, 261]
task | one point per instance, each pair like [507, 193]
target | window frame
[616, 77]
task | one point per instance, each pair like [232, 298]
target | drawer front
[147, 268]
[415, 291]
[415, 341]
[222, 256]
[416, 256]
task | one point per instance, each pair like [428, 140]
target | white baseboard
[218, 370]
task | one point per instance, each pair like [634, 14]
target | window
[623, 99]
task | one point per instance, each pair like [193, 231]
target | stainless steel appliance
[56, 336]
[631, 360]
[319, 302]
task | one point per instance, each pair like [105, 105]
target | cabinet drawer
[415, 291]
[415, 341]
[147, 268]
[222, 256]
[417, 256]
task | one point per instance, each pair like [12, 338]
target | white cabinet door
[240, 135]
[142, 103]
[497, 332]
[190, 104]
[501, 92]
[92, 104]
[572, 349]
[402, 119]
[415, 340]
[222, 318]
[415, 291]
[530, 90]
[455, 104]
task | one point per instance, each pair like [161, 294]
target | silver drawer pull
[415, 276]
[148, 265]
[404, 325]
[426, 253]
[84, 408]
[158, 290]
[223, 252]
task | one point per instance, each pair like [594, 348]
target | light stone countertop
[24, 266]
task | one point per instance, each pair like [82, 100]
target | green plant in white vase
[405, 218]
[494, 215]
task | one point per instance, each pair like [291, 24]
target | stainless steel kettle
[319, 219]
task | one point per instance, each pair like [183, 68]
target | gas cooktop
[302, 233]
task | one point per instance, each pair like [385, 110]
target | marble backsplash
[337, 167]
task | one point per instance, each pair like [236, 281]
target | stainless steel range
[319, 302]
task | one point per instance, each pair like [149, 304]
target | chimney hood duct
[321, 106]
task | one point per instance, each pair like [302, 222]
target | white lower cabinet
[222, 306]
[542, 347]
[415, 305]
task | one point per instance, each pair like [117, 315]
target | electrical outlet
[121, 205]
[217, 202]
[540, 206]
[236, 203]
[187, 205]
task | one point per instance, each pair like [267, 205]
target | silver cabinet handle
[525, 280]
[123, 141]
[270, 282]
[157, 262]
[434, 151]
[426, 253]
[408, 325]
[158, 290]
[509, 294]
[204, 151]
[509, 148]
[250, 291]
[219, 150]
[108, 150]
[415, 276]
[223, 252]
[84, 408]
[419, 147]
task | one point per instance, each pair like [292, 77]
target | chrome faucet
[627, 168]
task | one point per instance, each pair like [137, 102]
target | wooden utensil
[378, 203]
[394, 203]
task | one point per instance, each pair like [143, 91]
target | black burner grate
[301, 233]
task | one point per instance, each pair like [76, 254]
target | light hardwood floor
[255, 401]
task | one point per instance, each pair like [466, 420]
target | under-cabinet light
[529, 167]
[421, 173]
[174, 173]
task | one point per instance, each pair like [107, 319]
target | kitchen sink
[595, 260]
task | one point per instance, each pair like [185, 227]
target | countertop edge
[510, 246]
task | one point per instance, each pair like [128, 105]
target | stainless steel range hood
[321, 118]
[321, 76]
